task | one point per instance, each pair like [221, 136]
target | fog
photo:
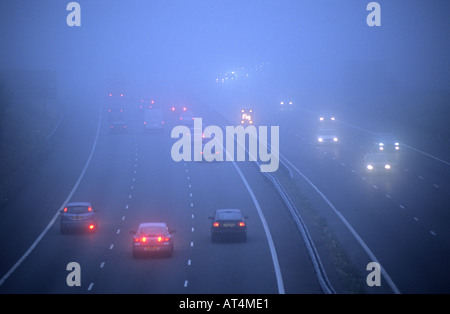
[321, 52]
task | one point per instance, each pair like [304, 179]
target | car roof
[228, 210]
[78, 204]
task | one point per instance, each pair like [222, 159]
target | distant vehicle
[118, 126]
[116, 113]
[327, 136]
[379, 162]
[178, 110]
[78, 216]
[326, 116]
[228, 223]
[143, 105]
[387, 143]
[186, 118]
[246, 116]
[153, 120]
[214, 150]
[152, 237]
[286, 105]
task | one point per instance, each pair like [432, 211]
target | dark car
[152, 237]
[118, 126]
[228, 223]
[78, 217]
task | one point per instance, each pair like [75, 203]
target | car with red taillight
[78, 216]
[228, 223]
[152, 238]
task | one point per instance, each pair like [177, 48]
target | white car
[379, 162]
[152, 237]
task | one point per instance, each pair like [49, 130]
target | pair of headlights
[320, 139]
[387, 167]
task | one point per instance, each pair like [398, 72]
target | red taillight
[184, 108]
[242, 224]
[144, 239]
[173, 108]
[89, 209]
[91, 227]
[65, 209]
[216, 224]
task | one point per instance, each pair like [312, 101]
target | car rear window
[152, 230]
[229, 216]
[77, 210]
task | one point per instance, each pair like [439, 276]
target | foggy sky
[324, 45]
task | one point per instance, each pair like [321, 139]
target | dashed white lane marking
[436, 186]
[185, 283]
[374, 186]
[433, 233]
[189, 262]
[126, 206]
[192, 229]
[111, 246]
[402, 207]
[192, 243]
[118, 231]
[123, 218]
[102, 264]
[90, 286]
[388, 196]
[416, 219]
[420, 177]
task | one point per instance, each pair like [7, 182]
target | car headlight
[320, 139]
[321, 118]
[370, 167]
[381, 147]
[335, 139]
[397, 148]
[387, 166]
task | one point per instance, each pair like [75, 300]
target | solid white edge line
[266, 230]
[50, 224]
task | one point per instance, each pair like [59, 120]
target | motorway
[400, 220]
[131, 178]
